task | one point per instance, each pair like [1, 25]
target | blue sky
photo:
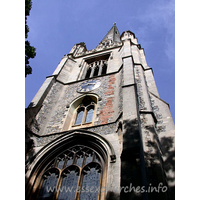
[55, 26]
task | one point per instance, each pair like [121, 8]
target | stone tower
[97, 128]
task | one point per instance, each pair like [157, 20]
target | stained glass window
[48, 186]
[61, 163]
[90, 186]
[69, 184]
[69, 161]
[78, 176]
[79, 161]
[88, 158]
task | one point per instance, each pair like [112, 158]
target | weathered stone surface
[128, 114]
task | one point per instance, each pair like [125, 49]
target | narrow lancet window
[79, 117]
[104, 69]
[96, 71]
[90, 112]
[88, 73]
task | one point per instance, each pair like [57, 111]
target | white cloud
[157, 16]
[161, 14]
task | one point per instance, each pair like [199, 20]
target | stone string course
[102, 130]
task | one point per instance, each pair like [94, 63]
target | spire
[112, 35]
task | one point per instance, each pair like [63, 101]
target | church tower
[97, 128]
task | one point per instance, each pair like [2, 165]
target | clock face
[89, 85]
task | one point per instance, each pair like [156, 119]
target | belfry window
[96, 71]
[96, 68]
[85, 111]
[88, 73]
[104, 69]
[70, 181]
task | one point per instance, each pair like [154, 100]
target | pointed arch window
[79, 117]
[90, 113]
[48, 184]
[91, 179]
[96, 68]
[69, 178]
[104, 69]
[88, 73]
[85, 112]
[82, 179]
[96, 71]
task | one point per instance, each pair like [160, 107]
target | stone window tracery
[104, 69]
[49, 180]
[85, 112]
[76, 173]
[88, 73]
[96, 71]
[97, 68]
[80, 113]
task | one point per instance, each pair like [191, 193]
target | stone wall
[53, 113]
[127, 98]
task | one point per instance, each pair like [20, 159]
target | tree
[30, 51]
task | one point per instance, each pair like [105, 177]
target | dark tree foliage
[30, 51]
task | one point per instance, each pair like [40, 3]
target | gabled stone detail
[111, 40]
